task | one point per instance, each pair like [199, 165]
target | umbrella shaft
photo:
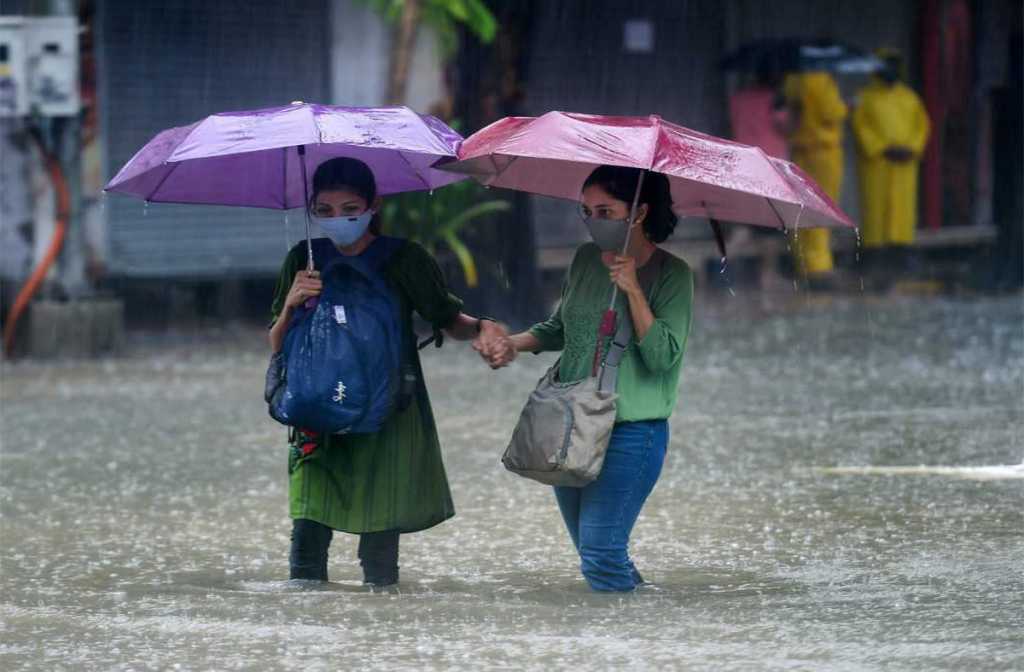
[629, 230]
[305, 207]
[607, 327]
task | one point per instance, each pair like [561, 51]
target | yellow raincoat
[817, 147]
[889, 116]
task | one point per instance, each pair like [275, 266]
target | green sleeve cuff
[658, 349]
[550, 339]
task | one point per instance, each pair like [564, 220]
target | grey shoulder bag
[564, 429]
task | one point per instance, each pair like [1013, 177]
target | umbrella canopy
[253, 158]
[710, 177]
[820, 211]
[800, 55]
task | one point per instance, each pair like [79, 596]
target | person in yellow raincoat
[891, 127]
[817, 147]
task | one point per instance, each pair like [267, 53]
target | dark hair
[620, 183]
[768, 72]
[349, 174]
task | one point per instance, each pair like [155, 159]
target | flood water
[842, 492]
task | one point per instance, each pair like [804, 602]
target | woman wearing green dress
[393, 481]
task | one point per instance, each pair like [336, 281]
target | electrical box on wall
[39, 66]
[53, 66]
[13, 71]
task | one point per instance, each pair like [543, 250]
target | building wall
[359, 55]
[578, 62]
[995, 20]
[171, 63]
[868, 24]
[16, 203]
[360, 52]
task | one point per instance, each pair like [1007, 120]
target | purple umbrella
[260, 158]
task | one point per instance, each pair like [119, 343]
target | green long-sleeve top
[649, 373]
[393, 479]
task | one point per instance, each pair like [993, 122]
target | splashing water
[144, 510]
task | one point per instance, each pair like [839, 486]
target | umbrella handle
[606, 329]
[305, 207]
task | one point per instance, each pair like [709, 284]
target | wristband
[480, 322]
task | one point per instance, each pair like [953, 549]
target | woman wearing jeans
[601, 515]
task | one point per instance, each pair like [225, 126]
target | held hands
[306, 285]
[494, 345]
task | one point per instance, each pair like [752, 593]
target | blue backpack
[342, 368]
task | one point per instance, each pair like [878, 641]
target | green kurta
[648, 380]
[395, 478]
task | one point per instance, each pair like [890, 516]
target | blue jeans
[600, 516]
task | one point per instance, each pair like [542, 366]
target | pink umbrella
[710, 177]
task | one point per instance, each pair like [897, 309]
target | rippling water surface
[842, 491]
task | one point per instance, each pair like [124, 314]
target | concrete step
[82, 328]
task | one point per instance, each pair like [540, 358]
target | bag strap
[384, 248]
[608, 378]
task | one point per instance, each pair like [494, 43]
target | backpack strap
[376, 257]
[378, 254]
[373, 260]
[384, 248]
[608, 378]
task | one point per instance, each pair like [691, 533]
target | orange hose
[56, 244]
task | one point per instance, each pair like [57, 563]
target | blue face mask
[344, 230]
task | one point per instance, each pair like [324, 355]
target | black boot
[378, 554]
[308, 557]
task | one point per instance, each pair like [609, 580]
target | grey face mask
[609, 234]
